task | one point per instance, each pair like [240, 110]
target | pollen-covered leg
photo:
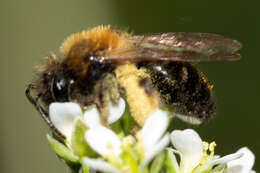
[141, 97]
[107, 92]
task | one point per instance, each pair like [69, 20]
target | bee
[100, 65]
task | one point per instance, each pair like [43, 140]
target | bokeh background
[30, 29]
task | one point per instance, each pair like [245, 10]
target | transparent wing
[186, 47]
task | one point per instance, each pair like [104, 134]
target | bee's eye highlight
[60, 88]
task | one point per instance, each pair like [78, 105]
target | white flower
[105, 142]
[189, 146]
[64, 116]
[243, 164]
[153, 135]
[195, 156]
[99, 165]
[115, 111]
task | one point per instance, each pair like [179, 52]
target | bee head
[59, 80]
[53, 81]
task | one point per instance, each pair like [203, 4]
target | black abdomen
[183, 89]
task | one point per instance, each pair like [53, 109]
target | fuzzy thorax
[102, 37]
[80, 47]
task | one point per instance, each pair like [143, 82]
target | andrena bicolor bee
[155, 70]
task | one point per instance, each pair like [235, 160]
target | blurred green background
[31, 29]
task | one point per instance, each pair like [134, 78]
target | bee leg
[110, 87]
[44, 114]
[107, 90]
[100, 101]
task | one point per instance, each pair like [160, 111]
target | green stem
[73, 168]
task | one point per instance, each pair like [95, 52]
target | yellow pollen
[126, 168]
[141, 104]
[139, 135]
[140, 144]
[111, 153]
[127, 141]
[111, 158]
[203, 78]
[110, 146]
[210, 87]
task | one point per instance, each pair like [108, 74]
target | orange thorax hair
[78, 46]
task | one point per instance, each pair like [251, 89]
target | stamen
[212, 146]
[127, 141]
[114, 160]
[140, 144]
[203, 159]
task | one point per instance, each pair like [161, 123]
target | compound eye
[60, 88]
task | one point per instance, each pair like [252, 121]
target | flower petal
[91, 117]
[154, 127]
[63, 116]
[244, 164]
[171, 161]
[79, 146]
[157, 148]
[99, 165]
[225, 159]
[189, 143]
[103, 140]
[116, 111]
[221, 162]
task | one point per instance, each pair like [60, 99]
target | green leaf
[78, 142]
[128, 122]
[117, 128]
[62, 151]
[158, 163]
[171, 163]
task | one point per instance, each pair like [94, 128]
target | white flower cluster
[151, 149]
